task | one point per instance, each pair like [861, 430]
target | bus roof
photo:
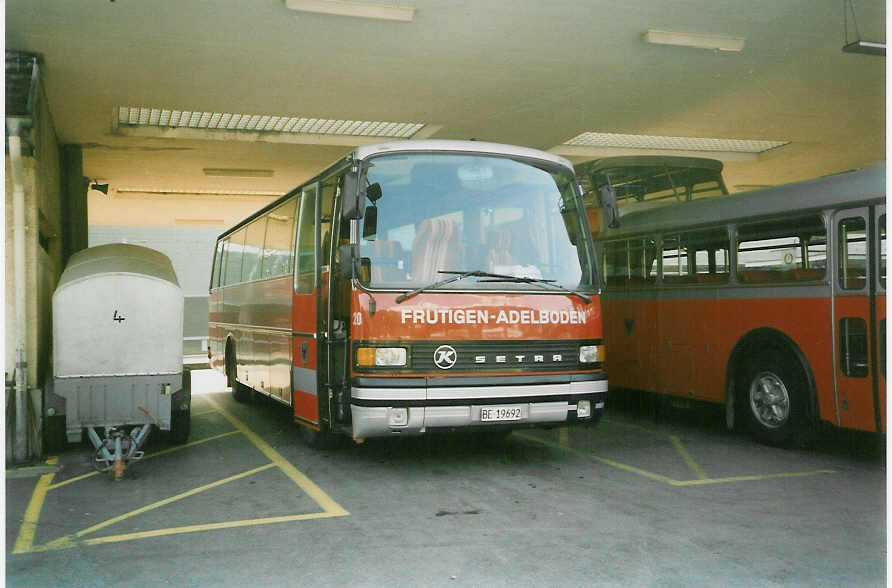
[596, 165]
[441, 145]
[847, 188]
[416, 146]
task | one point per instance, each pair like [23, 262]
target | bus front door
[304, 379]
[856, 321]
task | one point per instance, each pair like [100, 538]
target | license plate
[501, 413]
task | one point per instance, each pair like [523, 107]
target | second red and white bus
[771, 302]
[416, 286]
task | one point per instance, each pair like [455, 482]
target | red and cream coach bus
[416, 286]
[772, 302]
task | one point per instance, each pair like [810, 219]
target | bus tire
[240, 392]
[771, 396]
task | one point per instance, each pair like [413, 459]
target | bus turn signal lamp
[381, 356]
[591, 354]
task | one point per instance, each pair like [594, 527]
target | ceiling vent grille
[263, 123]
[613, 140]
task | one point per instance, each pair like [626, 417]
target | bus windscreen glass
[457, 213]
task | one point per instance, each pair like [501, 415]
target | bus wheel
[239, 391]
[772, 393]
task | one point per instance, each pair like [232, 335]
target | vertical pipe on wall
[20, 448]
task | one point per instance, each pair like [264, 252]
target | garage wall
[191, 251]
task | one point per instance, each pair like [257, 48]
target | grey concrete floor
[634, 501]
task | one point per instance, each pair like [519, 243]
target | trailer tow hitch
[118, 448]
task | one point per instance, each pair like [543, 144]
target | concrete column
[74, 201]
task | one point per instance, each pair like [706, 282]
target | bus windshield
[439, 213]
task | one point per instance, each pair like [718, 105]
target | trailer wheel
[772, 395]
[180, 425]
[181, 418]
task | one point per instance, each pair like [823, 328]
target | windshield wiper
[544, 282]
[494, 278]
[459, 276]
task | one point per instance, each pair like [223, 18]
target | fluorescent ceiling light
[131, 116]
[354, 9]
[595, 145]
[238, 173]
[182, 192]
[714, 42]
[672, 143]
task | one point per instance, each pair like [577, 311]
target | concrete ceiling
[528, 72]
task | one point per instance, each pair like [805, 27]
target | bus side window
[218, 262]
[852, 253]
[709, 251]
[234, 253]
[676, 263]
[853, 347]
[305, 276]
[278, 247]
[329, 189]
[782, 250]
[616, 264]
[642, 262]
[253, 249]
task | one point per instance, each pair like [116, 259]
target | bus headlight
[591, 354]
[381, 356]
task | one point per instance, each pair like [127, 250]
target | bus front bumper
[387, 411]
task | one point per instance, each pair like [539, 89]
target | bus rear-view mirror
[370, 223]
[607, 197]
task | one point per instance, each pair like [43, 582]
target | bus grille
[499, 356]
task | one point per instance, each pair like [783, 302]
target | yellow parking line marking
[666, 479]
[25, 541]
[208, 527]
[148, 456]
[564, 437]
[752, 478]
[172, 499]
[604, 460]
[191, 444]
[692, 465]
[305, 484]
[204, 412]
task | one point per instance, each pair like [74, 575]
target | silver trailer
[118, 351]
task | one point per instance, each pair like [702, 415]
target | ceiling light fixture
[591, 145]
[184, 192]
[713, 42]
[238, 173]
[858, 46]
[354, 9]
[227, 126]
